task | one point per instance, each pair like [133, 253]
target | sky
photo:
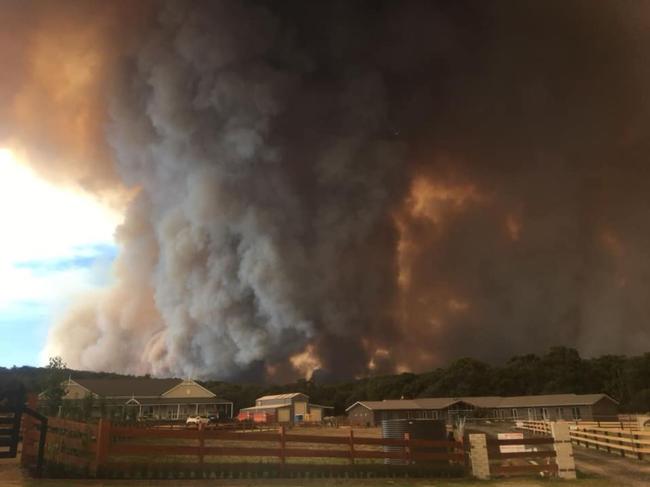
[329, 187]
[59, 245]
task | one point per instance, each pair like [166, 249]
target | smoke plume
[346, 186]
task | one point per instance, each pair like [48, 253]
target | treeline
[561, 370]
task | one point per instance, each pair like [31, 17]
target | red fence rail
[109, 450]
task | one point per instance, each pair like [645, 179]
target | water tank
[421, 429]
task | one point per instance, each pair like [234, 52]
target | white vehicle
[196, 421]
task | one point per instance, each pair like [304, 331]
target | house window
[559, 413]
[531, 414]
[514, 413]
[544, 413]
[576, 413]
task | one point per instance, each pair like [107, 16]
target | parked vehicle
[213, 419]
[196, 420]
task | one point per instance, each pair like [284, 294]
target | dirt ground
[12, 476]
[625, 471]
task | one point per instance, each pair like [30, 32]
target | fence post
[478, 456]
[103, 443]
[41, 448]
[27, 428]
[407, 449]
[566, 467]
[620, 443]
[201, 443]
[282, 445]
[351, 446]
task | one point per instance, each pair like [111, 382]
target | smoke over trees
[350, 186]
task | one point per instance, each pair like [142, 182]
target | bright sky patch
[54, 243]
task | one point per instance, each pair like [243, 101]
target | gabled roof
[437, 402]
[191, 383]
[290, 395]
[553, 400]
[136, 386]
[388, 405]
[485, 402]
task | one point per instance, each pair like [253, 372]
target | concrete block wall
[478, 455]
[563, 449]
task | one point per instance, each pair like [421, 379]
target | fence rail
[607, 437]
[68, 443]
[109, 450]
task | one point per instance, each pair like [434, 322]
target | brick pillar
[563, 449]
[478, 456]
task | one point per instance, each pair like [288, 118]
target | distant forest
[560, 370]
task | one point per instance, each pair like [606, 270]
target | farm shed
[283, 408]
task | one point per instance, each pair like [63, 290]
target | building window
[544, 413]
[576, 413]
[559, 413]
[514, 413]
[531, 414]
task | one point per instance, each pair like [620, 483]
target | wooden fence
[68, 445]
[9, 431]
[109, 450]
[606, 436]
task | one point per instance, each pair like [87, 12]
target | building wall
[552, 413]
[284, 415]
[361, 416]
[75, 391]
[300, 407]
[315, 414]
[605, 410]
[188, 389]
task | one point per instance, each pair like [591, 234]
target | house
[597, 407]
[372, 413]
[548, 406]
[146, 398]
[283, 408]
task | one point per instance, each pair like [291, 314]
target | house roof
[181, 400]
[484, 402]
[553, 400]
[136, 386]
[388, 405]
[268, 407]
[290, 395]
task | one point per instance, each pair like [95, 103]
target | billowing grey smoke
[268, 197]
[382, 184]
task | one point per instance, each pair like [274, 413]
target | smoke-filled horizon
[348, 187]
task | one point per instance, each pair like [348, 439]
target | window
[559, 413]
[576, 413]
[531, 414]
[514, 413]
[544, 413]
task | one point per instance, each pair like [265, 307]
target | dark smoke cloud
[374, 186]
